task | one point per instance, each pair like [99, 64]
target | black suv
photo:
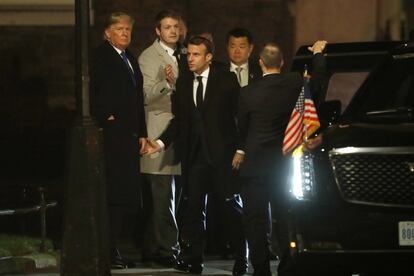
[352, 197]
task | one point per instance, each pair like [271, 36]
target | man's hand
[237, 160]
[313, 143]
[151, 147]
[170, 75]
[142, 145]
[318, 46]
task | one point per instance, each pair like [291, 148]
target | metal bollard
[43, 207]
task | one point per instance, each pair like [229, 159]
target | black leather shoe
[189, 267]
[165, 261]
[240, 267]
[262, 269]
[117, 262]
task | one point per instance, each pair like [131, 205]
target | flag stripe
[303, 121]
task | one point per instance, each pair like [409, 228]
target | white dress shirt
[169, 51]
[119, 52]
[204, 76]
[244, 74]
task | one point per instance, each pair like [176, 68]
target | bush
[20, 245]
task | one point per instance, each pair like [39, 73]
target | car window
[392, 87]
[343, 85]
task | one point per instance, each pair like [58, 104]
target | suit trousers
[161, 231]
[256, 196]
[204, 178]
[116, 216]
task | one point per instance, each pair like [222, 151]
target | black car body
[352, 197]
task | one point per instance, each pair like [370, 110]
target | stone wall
[351, 20]
[37, 62]
[267, 19]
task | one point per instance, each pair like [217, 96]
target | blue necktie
[125, 59]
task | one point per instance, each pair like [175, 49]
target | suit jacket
[158, 107]
[218, 126]
[264, 111]
[113, 92]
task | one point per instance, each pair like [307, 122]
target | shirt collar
[166, 48]
[265, 74]
[204, 74]
[116, 49]
[234, 66]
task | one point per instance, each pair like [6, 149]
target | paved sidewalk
[211, 267]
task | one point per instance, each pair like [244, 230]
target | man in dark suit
[204, 128]
[239, 48]
[264, 111]
[117, 104]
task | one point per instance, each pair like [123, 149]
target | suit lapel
[118, 60]
[162, 53]
[190, 88]
[135, 67]
[251, 73]
[211, 83]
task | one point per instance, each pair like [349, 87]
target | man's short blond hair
[271, 55]
[117, 17]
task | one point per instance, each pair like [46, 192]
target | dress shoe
[147, 259]
[240, 267]
[273, 256]
[189, 267]
[262, 269]
[168, 261]
[117, 262]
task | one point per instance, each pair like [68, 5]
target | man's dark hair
[271, 55]
[240, 32]
[164, 14]
[198, 40]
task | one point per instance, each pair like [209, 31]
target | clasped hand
[149, 147]
[237, 160]
[170, 75]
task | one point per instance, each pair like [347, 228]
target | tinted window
[342, 86]
[391, 87]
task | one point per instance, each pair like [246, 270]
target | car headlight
[303, 178]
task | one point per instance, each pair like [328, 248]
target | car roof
[347, 57]
[403, 48]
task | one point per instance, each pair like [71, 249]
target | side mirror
[329, 112]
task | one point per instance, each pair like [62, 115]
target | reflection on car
[351, 206]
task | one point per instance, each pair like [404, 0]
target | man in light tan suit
[159, 66]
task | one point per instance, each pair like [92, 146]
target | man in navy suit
[264, 111]
[117, 105]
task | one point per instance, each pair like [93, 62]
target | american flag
[303, 122]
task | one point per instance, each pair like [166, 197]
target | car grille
[370, 176]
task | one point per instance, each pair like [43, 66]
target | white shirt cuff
[241, 152]
[161, 143]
